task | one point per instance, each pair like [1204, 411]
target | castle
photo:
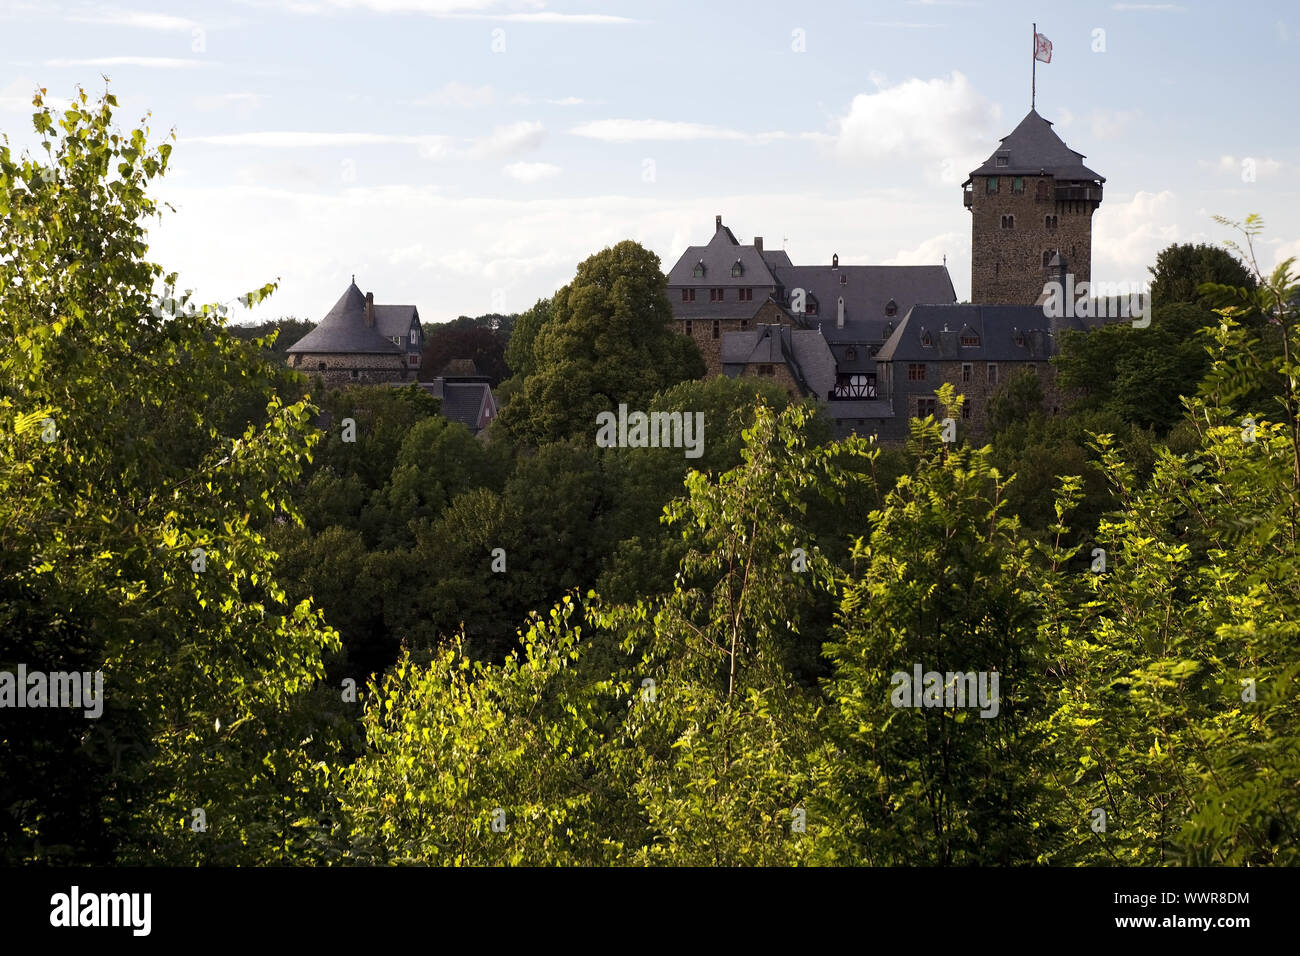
[875, 342]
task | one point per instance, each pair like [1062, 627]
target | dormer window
[1002, 160]
[891, 308]
[926, 341]
[737, 270]
[698, 272]
[970, 338]
[844, 278]
[810, 305]
[1020, 338]
[850, 354]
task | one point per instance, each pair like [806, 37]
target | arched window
[926, 341]
[737, 270]
[891, 308]
[699, 270]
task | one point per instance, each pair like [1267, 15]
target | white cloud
[1127, 235]
[938, 120]
[1236, 166]
[295, 139]
[242, 103]
[646, 130]
[502, 141]
[1112, 124]
[508, 140]
[448, 9]
[930, 252]
[1149, 7]
[16, 97]
[459, 95]
[531, 172]
[144, 20]
[152, 62]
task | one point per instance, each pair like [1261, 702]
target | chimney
[370, 310]
[758, 244]
[839, 316]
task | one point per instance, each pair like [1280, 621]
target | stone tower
[1030, 200]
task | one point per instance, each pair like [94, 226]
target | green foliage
[1181, 270]
[607, 340]
[106, 490]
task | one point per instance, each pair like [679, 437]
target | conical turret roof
[344, 329]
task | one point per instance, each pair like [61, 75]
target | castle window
[1020, 338]
[926, 406]
[810, 305]
[715, 328]
[1008, 222]
[715, 295]
[891, 308]
[737, 270]
[413, 360]
[766, 370]
[746, 295]
[844, 278]
[992, 186]
[965, 371]
[1049, 222]
[688, 326]
[993, 373]
[354, 373]
[397, 340]
[926, 341]
[1002, 160]
[321, 366]
[698, 271]
[916, 371]
[970, 338]
[1043, 190]
[1018, 184]
[688, 295]
[850, 354]
[744, 324]
[965, 410]
[415, 337]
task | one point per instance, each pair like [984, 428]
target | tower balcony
[968, 195]
[1078, 192]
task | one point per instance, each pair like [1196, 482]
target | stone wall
[1007, 263]
[973, 424]
[702, 331]
[352, 369]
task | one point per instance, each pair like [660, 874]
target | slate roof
[1033, 148]
[996, 325]
[777, 259]
[472, 404]
[344, 329]
[718, 257]
[867, 290]
[396, 320]
[803, 350]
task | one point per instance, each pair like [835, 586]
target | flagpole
[1033, 81]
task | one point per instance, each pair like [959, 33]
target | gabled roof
[344, 329]
[718, 257]
[472, 404]
[804, 351]
[391, 320]
[867, 290]
[1007, 333]
[1033, 148]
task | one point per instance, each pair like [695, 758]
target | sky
[465, 155]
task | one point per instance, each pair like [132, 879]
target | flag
[1042, 48]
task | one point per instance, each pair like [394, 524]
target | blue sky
[465, 155]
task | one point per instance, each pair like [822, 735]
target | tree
[607, 341]
[1182, 268]
[131, 529]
